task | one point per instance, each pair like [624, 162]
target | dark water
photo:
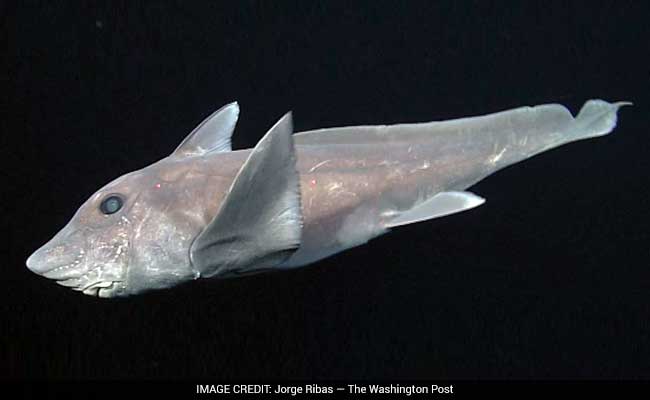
[549, 279]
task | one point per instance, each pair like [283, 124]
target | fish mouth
[93, 267]
[99, 289]
[102, 289]
[93, 282]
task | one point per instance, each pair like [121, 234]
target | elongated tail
[596, 118]
[374, 178]
[506, 138]
[527, 131]
[495, 141]
[470, 149]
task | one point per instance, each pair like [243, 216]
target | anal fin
[444, 203]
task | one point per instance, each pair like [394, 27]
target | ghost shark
[206, 211]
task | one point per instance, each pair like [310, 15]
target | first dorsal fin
[212, 135]
[259, 224]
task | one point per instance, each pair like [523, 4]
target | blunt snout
[52, 261]
[59, 257]
[35, 262]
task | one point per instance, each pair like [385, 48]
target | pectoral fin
[259, 224]
[441, 204]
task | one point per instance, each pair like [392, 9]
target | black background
[549, 279]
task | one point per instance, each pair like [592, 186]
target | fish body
[206, 211]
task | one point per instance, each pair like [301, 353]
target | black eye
[111, 204]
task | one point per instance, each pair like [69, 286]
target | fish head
[115, 244]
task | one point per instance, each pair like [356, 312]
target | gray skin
[355, 183]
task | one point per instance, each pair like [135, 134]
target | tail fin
[596, 118]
